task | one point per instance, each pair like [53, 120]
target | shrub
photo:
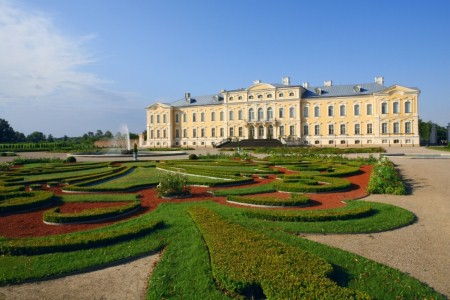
[294, 200]
[254, 265]
[193, 156]
[173, 185]
[384, 179]
[71, 159]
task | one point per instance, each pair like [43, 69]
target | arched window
[202, 117]
[164, 118]
[202, 132]
[281, 95]
[269, 95]
[240, 98]
[251, 132]
[185, 117]
[251, 114]
[316, 111]
[330, 110]
[240, 131]
[395, 107]
[261, 131]
[408, 127]
[185, 133]
[213, 116]
[270, 132]
[281, 112]
[356, 110]
[194, 117]
[231, 131]
[158, 119]
[342, 110]
[407, 107]
[231, 115]
[194, 133]
[305, 129]
[221, 116]
[250, 97]
[269, 113]
[260, 114]
[305, 111]
[230, 98]
[260, 96]
[384, 108]
[177, 118]
[151, 119]
[164, 133]
[151, 134]
[240, 117]
[291, 94]
[213, 132]
[369, 109]
[281, 131]
[291, 112]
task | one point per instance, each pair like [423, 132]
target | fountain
[122, 139]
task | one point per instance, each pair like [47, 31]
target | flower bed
[34, 246]
[54, 215]
[251, 264]
[385, 179]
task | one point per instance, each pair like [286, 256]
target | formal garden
[228, 226]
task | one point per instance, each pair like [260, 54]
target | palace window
[261, 131]
[202, 117]
[305, 111]
[384, 128]
[292, 130]
[151, 134]
[291, 94]
[408, 127]
[251, 114]
[151, 119]
[342, 129]
[158, 135]
[177, 118]
[194, 117]
[384, 108]
[305, 129]
[342, 110]
[330, 129]
[177, 133]
[281, 95]
[281, 130]
[230, 98]
[369, 128]
[260, 114]
[213, 116]
[185, 117]
[194, 133]
[260, 96]
[330, 111]
[356, 111]
[407, 107]
[222, 132]
[231, 131]
[213, 132]
[231, 115]
[202, 132]
[357, 128]
[240, 131]
[395, 107]
[396, 127]
[291, 112]
[250, 97]
[164, 133]
[369, 109]
[240, 98]
[164, 118]
[269, 95]
[281, 112]
[316, 129]
[185, 133]
[240, 116]
[221, 115]
[157, 119]
[269, 113]
[316, 111]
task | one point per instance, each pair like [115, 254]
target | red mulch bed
[31, 224]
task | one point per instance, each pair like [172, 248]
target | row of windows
[342, 110]
[357, 129]
[268, 96]
[395, 107]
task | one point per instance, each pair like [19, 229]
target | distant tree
[65, 138]
[425, 131]
[108, 135]
[133, 136]
[7, 133]
[99, 133]
[90, 134]
[19, 137]
[36, 137]
[145, 135]
[50, 138]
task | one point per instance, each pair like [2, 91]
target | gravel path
[422, 249]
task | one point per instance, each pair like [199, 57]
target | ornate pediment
[398, 90]
[158, 105]
[261, 87]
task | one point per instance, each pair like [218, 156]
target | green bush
[71, 159]
[54, 215]
[384, 179]
[294, 200]
[251, 264]
[66, 243]
[173, 185]
[193, 156]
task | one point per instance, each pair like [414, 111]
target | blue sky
[69, 67]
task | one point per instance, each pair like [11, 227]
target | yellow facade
[366, 114]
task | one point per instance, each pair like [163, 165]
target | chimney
[187, 98]
[306, 84]
[256, 81]
[379, 80]
[286, 80]
[328, 83]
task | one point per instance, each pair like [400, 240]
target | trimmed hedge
[266, 188]
[253, 265]
[384, 179]
[30, 201]
[54, 215]
[71, 242]
[310, 184]
[294, 200]
[311, 215]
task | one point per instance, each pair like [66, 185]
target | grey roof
[197, 100]
[343, 90]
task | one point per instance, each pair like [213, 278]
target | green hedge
[310, 184]
[384, 179]
[54, 215]
[67, 243]
[310, 215]
[253, 265]
[23, 203]
[265, 188]
[294, 200]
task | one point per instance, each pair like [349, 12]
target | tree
[108, 135]
[7, 133]
[50, 138]
[36, 137]
[424, 131]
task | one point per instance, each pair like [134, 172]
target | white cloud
[40, 72]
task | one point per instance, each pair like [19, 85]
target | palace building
[330, 115]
